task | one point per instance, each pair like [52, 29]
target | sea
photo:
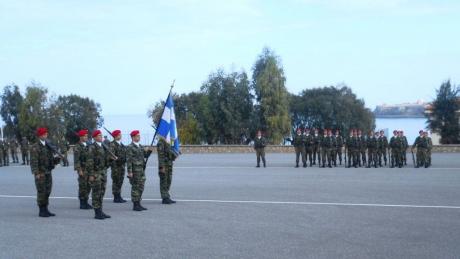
[128, 122]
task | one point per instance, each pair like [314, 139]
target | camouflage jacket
[372, 143]
[260, 143]
[120, 152]
[135, 157]
[395, 143]
[404, 142]
[383, 142]
[317, 140]
[309, 141]
[80, 157]
[328, 142]
[98, 159]
[166, 155]
[298, 141]
[41, 159]
[24, 145]
[338, 141]
[420, 142]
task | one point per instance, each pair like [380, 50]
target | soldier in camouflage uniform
[362, 149]
[97, 163]
[135, 156]
[430, 147]
[421, 143]
[166, 157]
[327, 146]
[396, 146]
[372, 146]
[405, 145]
[64, 148]
[42, 162]
[299, 146]
[25, 151]
[355, 149]
[348, 153]
[118, 167]
[80, 158]
[259, 145]
[14, 150]
[383, 147]
[339, 142]
[317, 147]
[309, 142]
[6, 156]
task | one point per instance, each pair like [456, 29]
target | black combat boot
[172, 201]
[329, 165]
[48, 212]
[88, 207]
[83, 205]
[304, 165]
[98, 214]
[43, 212]
[105, 215]
[142, 207]
[116, 198]
[137, 206]
[166, 201]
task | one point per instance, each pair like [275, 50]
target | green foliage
[268, 82]
[330, 107]
[9, 110]
[444, 117]
[63, 116]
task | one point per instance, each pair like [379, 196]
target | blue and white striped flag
[167, 127]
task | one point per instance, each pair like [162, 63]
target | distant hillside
[408, 110]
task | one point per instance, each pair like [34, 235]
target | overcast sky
[125, 54]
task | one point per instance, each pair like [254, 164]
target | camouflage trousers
[65, 159]
[118, 174]
[382, 153]
[372, 157]
[421, 157]
[98, 187]
[260, 153]
[353, 157]
[362, 159]
[396, 159]
[6, 158]
[316, 153]
[165, 181]
[25, 156]
[14, 156]
[84, 187]
[137, 184]
[300, 151]
[338, 154]
[309, 154]
[44, 186]
[326, 155]
[404, 156]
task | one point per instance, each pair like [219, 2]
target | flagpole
[156, 130]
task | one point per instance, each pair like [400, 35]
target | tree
[10, 108]
[444, 115]
[32, 113]
[76, 113]
[332, 108]
[268, 83]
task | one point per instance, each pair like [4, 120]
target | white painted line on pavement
[275, 202]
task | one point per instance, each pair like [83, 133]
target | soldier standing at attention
[316, 147]
[339, 141]
[118, 167]
[6, 155]
[348, 143]
[421, 143]
[42, 162]
[309, 141]
[405, 145]
[326, 148]
[395, 145]
[299, 146]
[383, 147]
[135, 156]
[25, 151]
[362, 148]
[355, 147]
[372, 145]
[166, 157]
[430, 147]
[14, 150]
[259, 145]
[80, 158]
[98, 162]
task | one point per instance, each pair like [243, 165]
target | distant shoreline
[399, 117]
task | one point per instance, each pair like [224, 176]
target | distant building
[404, 110]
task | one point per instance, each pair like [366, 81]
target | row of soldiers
[92, 161]
[10, 148]
[368, 151]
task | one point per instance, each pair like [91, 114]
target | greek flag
[167, 127]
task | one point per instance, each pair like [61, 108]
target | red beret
[134, 133]
[96, 133]
[82, 133]
[116, 133]
[41, 131]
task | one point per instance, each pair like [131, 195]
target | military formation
[10, 149]
[373, 149]
[91, 163]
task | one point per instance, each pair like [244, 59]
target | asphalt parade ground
[227, 208]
